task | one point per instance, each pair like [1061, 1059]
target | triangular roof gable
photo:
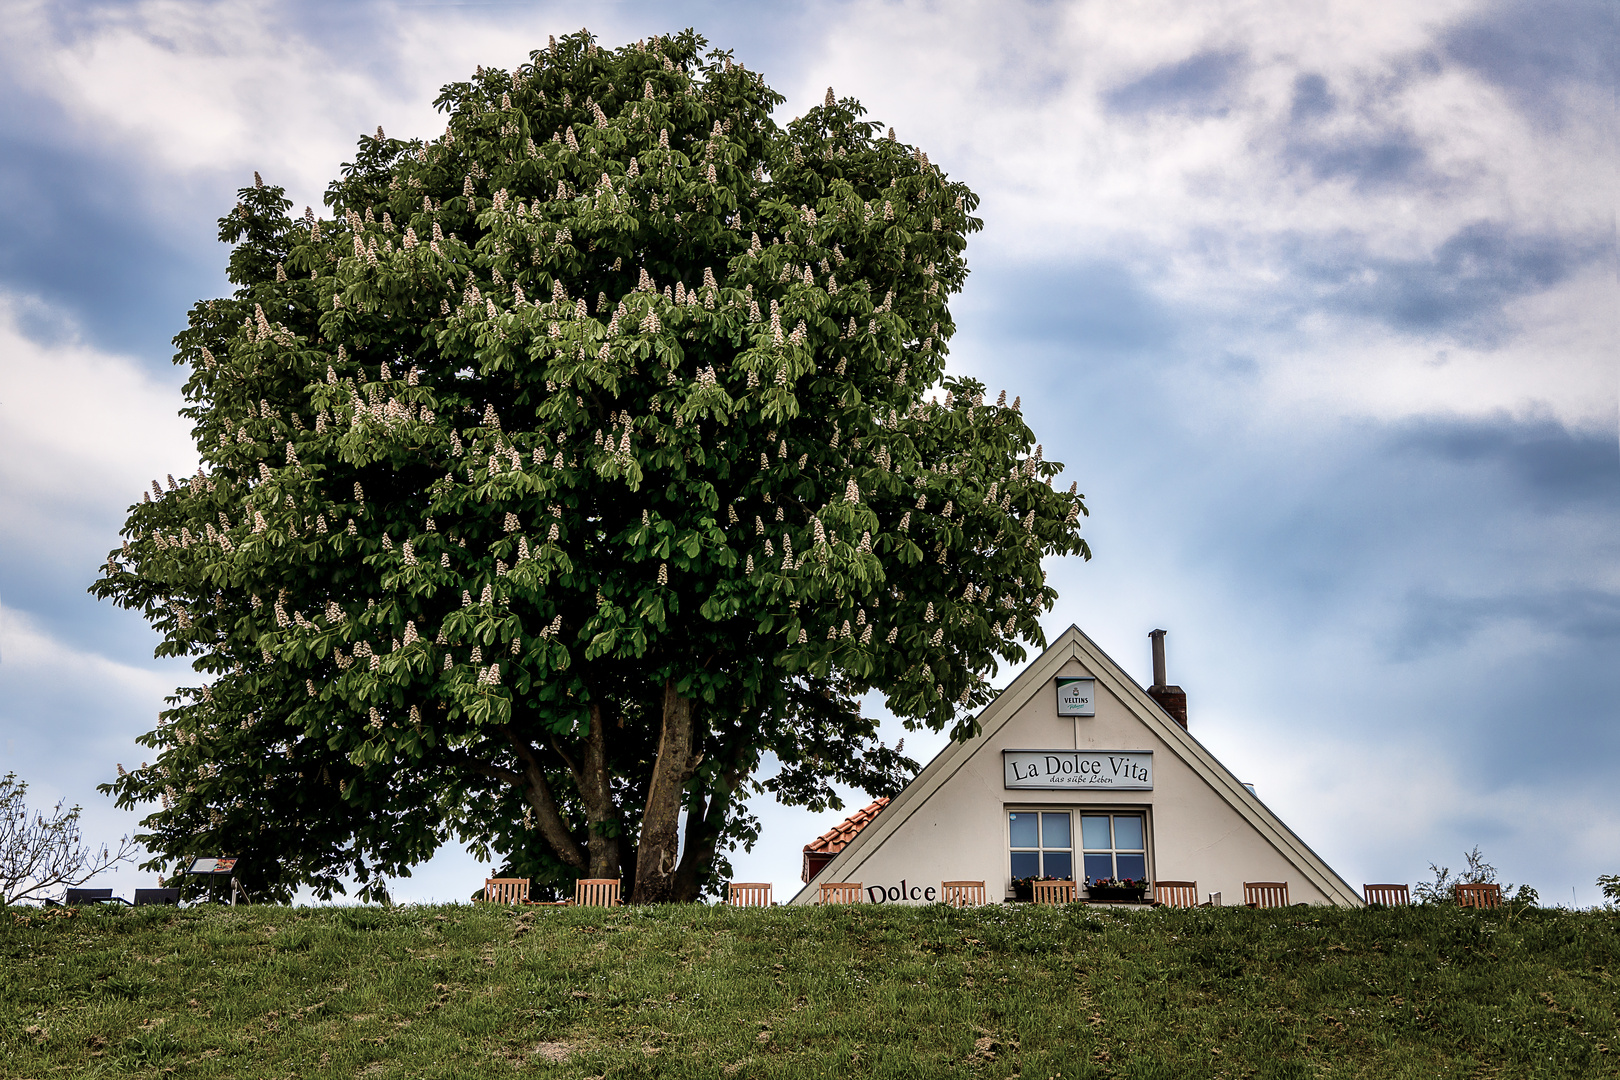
[1073, 644]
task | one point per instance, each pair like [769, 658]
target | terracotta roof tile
[834, 839]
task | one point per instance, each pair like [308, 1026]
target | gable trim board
[906, 811]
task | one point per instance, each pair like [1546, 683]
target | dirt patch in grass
[554, 1052]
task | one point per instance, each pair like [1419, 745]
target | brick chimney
[1172, 699]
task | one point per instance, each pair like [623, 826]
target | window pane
[1099, 866]
[1127, 833]
[1094, 831]
[1132, 866]
[1022, 828]
[1026, 864]
[1059, 864]
[1055, 830]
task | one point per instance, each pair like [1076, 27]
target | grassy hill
[865, 991]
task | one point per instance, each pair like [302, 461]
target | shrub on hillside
[1442, 889]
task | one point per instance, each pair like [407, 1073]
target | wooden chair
[1481, 894]
[749, 894]
[1387, 895]
[1265, 894]
[840, 892]
[510, 890]
[596, 892]
[961, 893]
[1175, 893]
[1053, 892]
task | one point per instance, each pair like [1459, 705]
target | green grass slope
[862, 991]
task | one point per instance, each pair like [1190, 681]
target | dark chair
[76, 897]
[144, 897]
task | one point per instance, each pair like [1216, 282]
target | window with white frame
[1042, 843]
[1113, 846]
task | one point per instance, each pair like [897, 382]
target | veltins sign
[1077, 697]
[1044, 770]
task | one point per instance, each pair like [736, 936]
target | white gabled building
[1078, 773]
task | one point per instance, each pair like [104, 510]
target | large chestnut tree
[580, 467]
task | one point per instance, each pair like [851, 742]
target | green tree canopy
[584, 457]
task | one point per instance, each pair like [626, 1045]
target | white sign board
[1046, 770]
[1077, 697]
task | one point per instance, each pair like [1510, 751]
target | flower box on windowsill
[1116, 892]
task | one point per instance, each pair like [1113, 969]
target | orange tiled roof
[835, 838]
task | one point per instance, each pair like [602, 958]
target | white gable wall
[950, 823]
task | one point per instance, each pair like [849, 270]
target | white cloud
[32, 654]
[1556, 359]
[83, 432]
[192, 87]
[1211, 211]
[200, 88]
[1209, 206]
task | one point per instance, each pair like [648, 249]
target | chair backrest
[749, 894]
[1387, 895]
[596, 892]
[961, 893]
[506, 890]
[1265, 894]
[1053, 892]
[87, 896]
[840, 892]
[1176, 893]
[156, 896]
[1482, 894]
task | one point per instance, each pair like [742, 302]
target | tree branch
[548, 817]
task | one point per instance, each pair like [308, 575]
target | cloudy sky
[1317, 303]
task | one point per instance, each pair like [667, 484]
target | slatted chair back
[1387, 895]
[596, 892]
[513, 890]
[1265, 894]
[1053, 892]
[1482, 894]
[962, 893]
[749, 894]
[840, 892]
[1175, 893]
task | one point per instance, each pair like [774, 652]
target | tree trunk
[660, 823]
[602, 817]
[705, 819]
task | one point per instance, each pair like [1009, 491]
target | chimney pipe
[1158, 656]
[1172, 699]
